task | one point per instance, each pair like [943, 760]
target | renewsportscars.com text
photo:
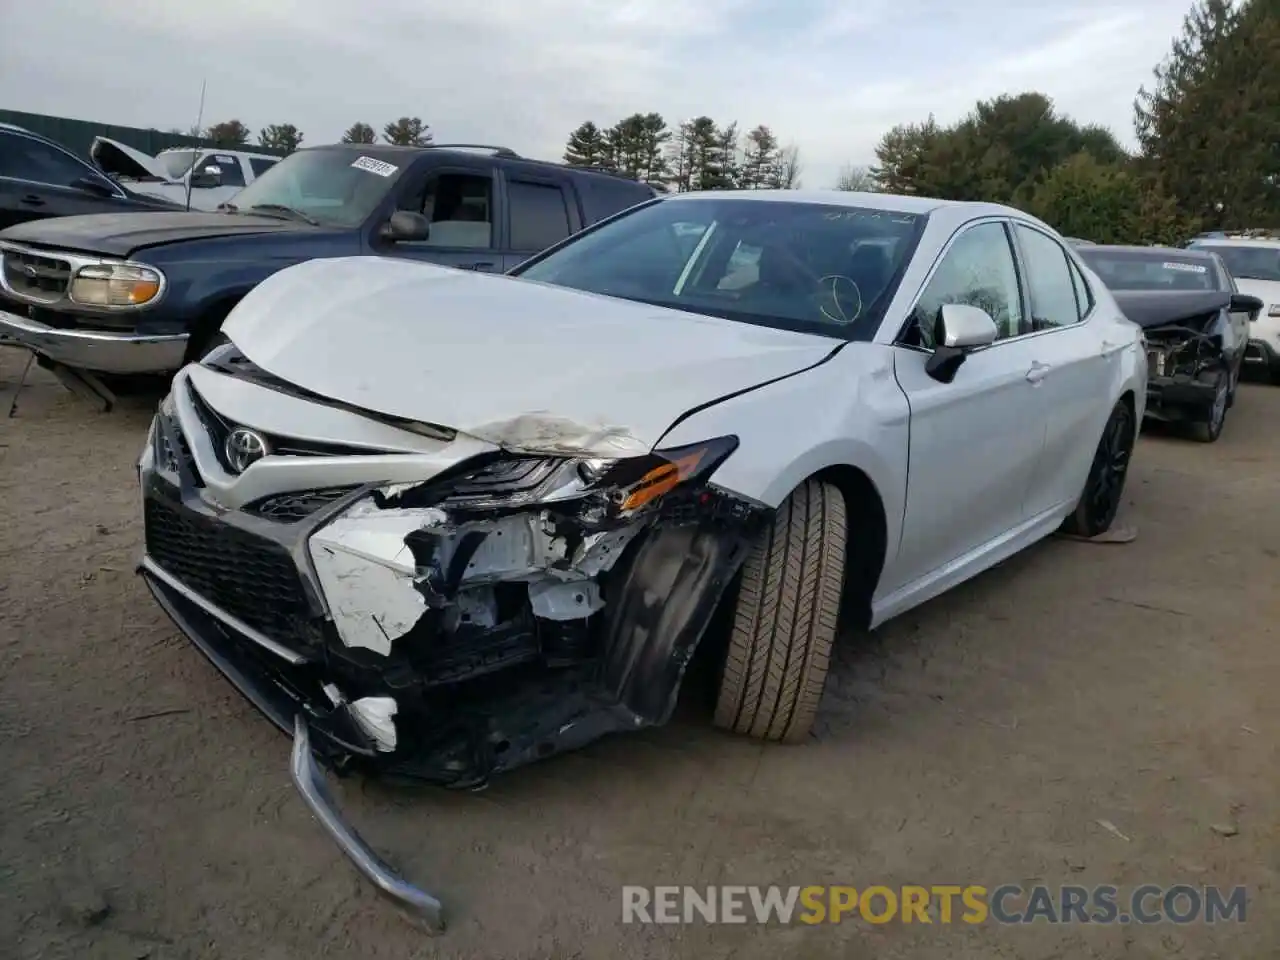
[938, 904]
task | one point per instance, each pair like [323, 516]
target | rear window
[1150, 270]
[1246, 263]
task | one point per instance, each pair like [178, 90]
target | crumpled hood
[528, 366]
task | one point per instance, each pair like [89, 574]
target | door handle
[1038, 372]
[481, 266]
[31, 200]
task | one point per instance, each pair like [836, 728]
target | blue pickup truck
[116, 295]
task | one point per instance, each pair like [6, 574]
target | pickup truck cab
[145, 293]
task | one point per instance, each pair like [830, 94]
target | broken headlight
[599, 489]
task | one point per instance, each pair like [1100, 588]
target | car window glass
[259, 165]
[1049, 281]
[1150, 269]
[228, 167]
[539, 215]
[24, 158]
[1084, 296]
[824, 268]
[459, 207]
[1261, 262]
[979, 271]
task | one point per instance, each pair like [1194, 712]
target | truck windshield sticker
[379, 167]
[225, 159]
[1185, 267]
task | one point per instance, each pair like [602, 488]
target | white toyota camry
[440, 524]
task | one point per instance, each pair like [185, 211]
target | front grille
[293, 507]
[35, 276]
[247, 576]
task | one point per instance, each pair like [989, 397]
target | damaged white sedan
[438, 524]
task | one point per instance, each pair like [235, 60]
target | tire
[1104, 487]
[1208, 431]
[785, 619]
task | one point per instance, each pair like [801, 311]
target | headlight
[116, 285]
[597, 490]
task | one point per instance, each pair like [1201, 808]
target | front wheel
[1210, 429]
[1104, 488]
[785, 619]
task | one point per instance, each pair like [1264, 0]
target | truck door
[457, 197]
[541, 210]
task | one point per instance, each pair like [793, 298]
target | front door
[974, 442]
[459, 201]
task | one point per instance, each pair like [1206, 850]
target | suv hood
[122, 234]
[116, 159]
[530, 367]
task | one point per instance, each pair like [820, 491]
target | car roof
[1239, 241]
[1154, 251]
[228, 150]
[398, 151]
[888, 202]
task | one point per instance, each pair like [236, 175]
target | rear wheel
[785, 619]
[1104, 488]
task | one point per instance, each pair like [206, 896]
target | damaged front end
[506, 608]
[522, 607]
[1189, 344]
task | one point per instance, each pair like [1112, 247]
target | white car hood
[1268, 291]
[117, 159]
[527, 366]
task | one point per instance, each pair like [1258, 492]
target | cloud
[829, 75]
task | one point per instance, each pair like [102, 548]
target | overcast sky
[829, 75]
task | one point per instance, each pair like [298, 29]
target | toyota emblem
[243, 448]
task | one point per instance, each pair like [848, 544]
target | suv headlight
[597, 491]
[116, 285]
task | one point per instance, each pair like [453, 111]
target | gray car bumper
[99, 351]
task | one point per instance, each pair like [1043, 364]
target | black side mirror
[1244, 303]
[93, 185]
[959, 330]
[405, 226]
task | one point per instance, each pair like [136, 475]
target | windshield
[177, 162]
[1247, 263]
[332, 187]
[812, 267]
[1150, 270]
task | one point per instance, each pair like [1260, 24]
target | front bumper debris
[420, 907]
[99, 351]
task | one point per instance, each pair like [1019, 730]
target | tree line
[406, 131]
[698, 154]
[1207, 127]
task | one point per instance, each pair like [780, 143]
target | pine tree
[586, 147]
[758, 158]
[359, 133]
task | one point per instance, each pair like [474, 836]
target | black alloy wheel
[1103, 490]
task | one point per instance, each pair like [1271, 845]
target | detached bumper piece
[420, 907]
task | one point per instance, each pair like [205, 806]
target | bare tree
[855, 178]
[785, 174]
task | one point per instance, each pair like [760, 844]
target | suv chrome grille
[33, 275]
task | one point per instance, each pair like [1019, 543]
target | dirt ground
[146, 809]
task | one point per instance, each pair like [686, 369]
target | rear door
[39, 180]
[1075, 368]
[541, 210]
[458, 198]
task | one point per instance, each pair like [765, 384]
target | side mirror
[959, 330]
[1243, 303]
[405, 226]
[93, 185]
[208, 177]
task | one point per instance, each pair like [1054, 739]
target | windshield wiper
[289, 212]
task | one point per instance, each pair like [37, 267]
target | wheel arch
[208, 322]
[868, 538]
